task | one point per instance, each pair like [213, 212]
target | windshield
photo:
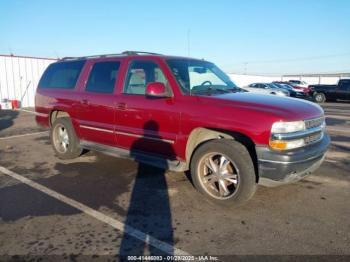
[197, 77]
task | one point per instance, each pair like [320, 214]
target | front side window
[62, 75]
[197, 77]
[141, 73]
[102, 77]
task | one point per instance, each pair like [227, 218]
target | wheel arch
[57, 113]
[201, 135]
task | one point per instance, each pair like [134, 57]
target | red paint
[15, 104]
[249, 114]
[156, 89]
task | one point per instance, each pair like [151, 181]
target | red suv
[180, 114]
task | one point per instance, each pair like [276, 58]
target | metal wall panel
[19, 77]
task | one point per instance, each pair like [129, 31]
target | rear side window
[61, 75]
[102, 77]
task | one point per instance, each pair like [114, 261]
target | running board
[173, 165]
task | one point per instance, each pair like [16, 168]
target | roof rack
[125, 53]
[139, 53]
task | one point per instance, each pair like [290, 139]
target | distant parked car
[299, 83]
[266, 88]
[286, 84]
[323, 93]
[292, 92]
[300, 86]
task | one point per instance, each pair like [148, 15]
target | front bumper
[278, 168]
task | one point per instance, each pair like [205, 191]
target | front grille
[313, 138]
[315, 122]
[311, 124]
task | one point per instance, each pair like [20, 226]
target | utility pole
[245, 67]
[188, 41]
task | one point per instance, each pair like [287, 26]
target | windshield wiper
[211, 91]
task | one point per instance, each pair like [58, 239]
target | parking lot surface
[93, 205]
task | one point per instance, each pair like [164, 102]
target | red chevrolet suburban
[180, 114]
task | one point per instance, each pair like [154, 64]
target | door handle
[121, 106]
[85, 102]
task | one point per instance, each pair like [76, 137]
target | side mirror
[156, 89]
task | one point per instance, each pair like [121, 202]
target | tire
[320, 97]
[64, 140]
[240, 169]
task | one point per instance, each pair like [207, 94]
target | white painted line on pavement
[148, 239]
[338, 130]
[331, 161]
[28, 111]
[30, 134]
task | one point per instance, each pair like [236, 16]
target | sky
[241, 36]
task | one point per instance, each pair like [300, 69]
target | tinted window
[61, 75]
[102, 77]
[344, 84]
[140, 74]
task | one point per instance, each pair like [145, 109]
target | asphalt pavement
[98, 207]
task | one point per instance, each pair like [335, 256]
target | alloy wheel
[219, 175]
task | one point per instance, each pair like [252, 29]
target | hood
[285, 108]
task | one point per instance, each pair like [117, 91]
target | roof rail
[139, 53]
[125, 53]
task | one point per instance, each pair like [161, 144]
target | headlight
[287, 127]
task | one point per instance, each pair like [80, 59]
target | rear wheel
[320, 98]
[64, 140]
[222, 170]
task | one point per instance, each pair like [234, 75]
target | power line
[292, 59]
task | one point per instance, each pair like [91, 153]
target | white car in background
[266, 88]
[298, 83]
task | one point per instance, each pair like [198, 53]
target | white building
[311, 79]
[19, 77]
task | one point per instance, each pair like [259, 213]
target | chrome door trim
[97, 129]
[146, 137]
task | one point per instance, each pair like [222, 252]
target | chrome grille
[315, 122]
[313, 138]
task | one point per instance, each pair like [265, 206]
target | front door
[145, 124]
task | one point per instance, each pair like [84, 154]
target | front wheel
[223, 171]
[320, 97]
[64, 140]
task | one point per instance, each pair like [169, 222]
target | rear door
[97, 105]
[149, 125]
